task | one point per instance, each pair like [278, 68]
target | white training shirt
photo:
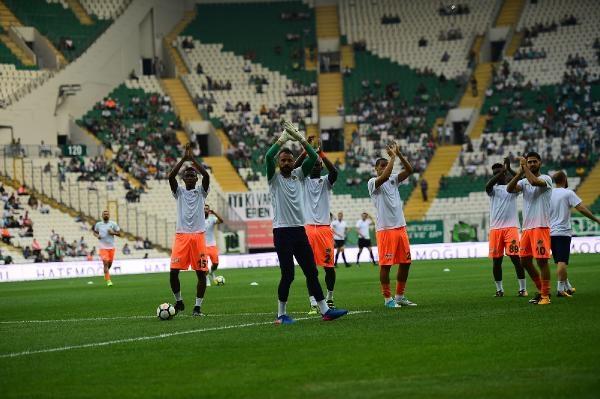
[363, 228]
[210, 224]
[388, 203]
[536, 203]
[503, 208]
[316, 200]
[106, 241]
[339, 229]
[562, 200]
[286, 199]
[190, 209]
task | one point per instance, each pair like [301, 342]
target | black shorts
[364, 242]
[561, 248]
[340, 243]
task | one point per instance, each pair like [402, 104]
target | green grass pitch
[460, 342]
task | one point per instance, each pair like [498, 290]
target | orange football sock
[400, 285]
[106, 276]
[385, 290]
[545, 287]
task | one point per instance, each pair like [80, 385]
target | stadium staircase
[8, 19]
[226, 175]
[510, 13]
[479, 127]
[515, 42]
[440, 164]
[82, 15]
[347, 55]
[483, 74]
[589, 189]
[180, 66]
[331, 84]
[310, 64]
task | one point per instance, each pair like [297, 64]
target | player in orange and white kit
[212, 219]
[317, 192]
[504, 226]
[392, 239]
[535, 239]
[189, 247]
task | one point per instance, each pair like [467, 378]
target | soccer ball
[220, 280]
[165, 311]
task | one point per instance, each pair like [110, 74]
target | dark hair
[189, 168]
[380, 160]
[533, 154]
[285, 151]
[497, 165]
[560, 177]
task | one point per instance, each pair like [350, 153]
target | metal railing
[90, 201]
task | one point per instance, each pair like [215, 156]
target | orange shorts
[504, 241]
[321, 241]
[212, 253]
[107, 255]
[393, 246]
[536, 243]
[188, 250]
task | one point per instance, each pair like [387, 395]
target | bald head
[560, 179]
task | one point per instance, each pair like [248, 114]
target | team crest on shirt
[294, 177]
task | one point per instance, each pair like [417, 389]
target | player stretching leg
[535, 240]
[289, 235]
[363, 226]
[562, 201]
[504, 226]
[317, 191]
[392, 240]
[189, 247]
[212, 251]
[340, 228]
[105, 231]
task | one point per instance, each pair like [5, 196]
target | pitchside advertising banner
[88, 269]
[255, 208]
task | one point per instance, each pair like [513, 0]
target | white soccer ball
[220, 280]
[165, 311]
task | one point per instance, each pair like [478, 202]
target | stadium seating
[14, 82]
[107, 9]
[362, 21]
[58, 23]
[559, 43]
[262, 28]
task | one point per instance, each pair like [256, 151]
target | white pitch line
[148, 337]
[132, 318]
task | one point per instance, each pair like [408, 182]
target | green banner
[74, 150]
[463, 232]
[427, 232]
[583, 226]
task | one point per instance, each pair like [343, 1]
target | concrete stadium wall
[105, 65]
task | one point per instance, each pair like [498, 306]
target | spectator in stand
[147, 243]
[6, 236]
[139, 244]
[126, 249]
[424, 187]
[44, 209]
[32, 202]
[36, 247]
[22, 190]
[45, 150]
[27, 252]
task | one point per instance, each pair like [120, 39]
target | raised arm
[308, 163]
[202, 170]
[512, 186]
[490, 184]
[408, 169]
[388, 169]
[533, 179]
[508, 168]
[331, 169]
[219, 218]
[586, 212]
[175, 171]
[272, 153]
[300, 159]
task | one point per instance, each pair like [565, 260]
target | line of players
[302, 226]
[546, 225]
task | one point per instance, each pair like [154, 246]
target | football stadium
[300, 198]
